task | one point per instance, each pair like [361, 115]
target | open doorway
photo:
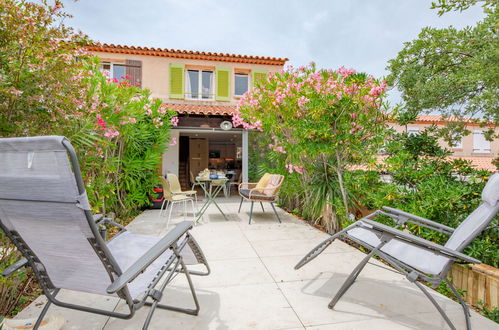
[216, 151]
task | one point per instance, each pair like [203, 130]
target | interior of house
[216, 151]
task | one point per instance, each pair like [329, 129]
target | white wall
[170, 157]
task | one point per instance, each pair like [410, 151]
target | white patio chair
[414, 257]
[170, 200]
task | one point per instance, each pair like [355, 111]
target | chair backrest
[193, 180]
[45, 211]
[264, 180]
[274, 185]
[167, 192]
[174, 183]
[479, 219]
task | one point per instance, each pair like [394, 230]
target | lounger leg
[351, 278]
[261, 204]
[240, 204]
[251, 212]
[437, 306]
[44, 311]
[277, 215]
[466, 309]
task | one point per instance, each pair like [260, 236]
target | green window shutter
[223, 84]
[176, 81]
[258, 75]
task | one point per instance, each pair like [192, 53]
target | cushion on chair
[272, 184]
[418, 258]
[255, 195]
[262, 183]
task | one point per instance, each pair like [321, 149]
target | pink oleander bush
[317, 123]
[50, 86]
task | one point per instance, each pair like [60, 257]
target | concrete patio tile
[73, 319]
[232, 272]
[295, 247]
[220, 245]
[434, 320]
[390, 323]
[237, 307]
[325, 266]
[285, 232]
[365, 299]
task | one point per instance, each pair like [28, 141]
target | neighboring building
[473, 147]
[203, 87]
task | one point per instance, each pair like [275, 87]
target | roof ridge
[169, 52]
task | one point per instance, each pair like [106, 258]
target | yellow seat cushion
[264, 181]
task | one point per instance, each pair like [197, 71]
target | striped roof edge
[188, 54]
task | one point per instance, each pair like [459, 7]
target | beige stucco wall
[467, 145]
[155, 73]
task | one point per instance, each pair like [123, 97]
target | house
[203, 87]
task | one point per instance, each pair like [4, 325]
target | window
[412, 131]
[241, 81]
[480, 144]
[116, 71]
[199, 84]
[457, 142]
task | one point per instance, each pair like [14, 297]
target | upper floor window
[457, 142]
[412, 131]
[199, 84]
[480, 144]
[241, 84]
[116, 71]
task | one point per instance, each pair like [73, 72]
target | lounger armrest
[408, 217]
[109, 221]
[150, 256]
[98, 217]
[437, 248]
[14, 267]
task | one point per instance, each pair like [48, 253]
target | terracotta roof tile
[189, 54]
[201, 109]
[480, 163]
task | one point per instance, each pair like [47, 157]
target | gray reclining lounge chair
[45, 212]
[416, 258]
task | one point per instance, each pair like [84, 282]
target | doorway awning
[202, 109]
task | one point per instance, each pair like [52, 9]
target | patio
[253, 283]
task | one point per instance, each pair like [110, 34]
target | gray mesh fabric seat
[45, 212]
[416, 258]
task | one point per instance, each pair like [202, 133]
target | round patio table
[211, 195]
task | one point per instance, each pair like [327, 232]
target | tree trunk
[339, 172]
[330, 219]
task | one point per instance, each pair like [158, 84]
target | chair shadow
[375, 295]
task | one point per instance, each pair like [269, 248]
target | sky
[362, 34]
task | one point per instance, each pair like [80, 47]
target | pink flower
[173, 142]
[345, 72]
[303, 100]
[110, 133]
[298, 169]
[101, 123]
[132, 120]
[174, 121]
